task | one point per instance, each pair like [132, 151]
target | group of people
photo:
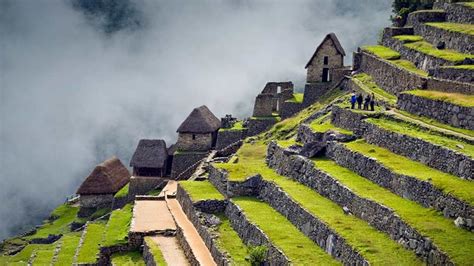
[368, 100]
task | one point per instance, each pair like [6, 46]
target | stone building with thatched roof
[150, 158]
[98, 189]
[198, 132]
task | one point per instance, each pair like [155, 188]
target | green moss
[454, 27]
[128, 258]
[274, 117]
[366, 83]
[323, 124]
[382, 52]
[466, 67]
[201, 190]
[63, 216]
[429, 136]
[99, 213]
[408, 38]
[449, 184]
[297, 98]
[294, 244]
[446, 54]
[68, 245]
[454, 98]
[92, 240]
[408, 65]
[155, 251]
[238, 126]
[44, 256]
[122, 193]
[117, 228]
[430, 223]
[228, 240]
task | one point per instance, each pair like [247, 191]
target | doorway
[326, 75]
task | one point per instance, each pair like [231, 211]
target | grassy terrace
[128, 258]
[467, 67]
[118, 225]
[468, 4]
[375, 246]
[454, 98]
[462, 189]
[456, 242]
[22, 257]
[201, 190]
[366, 83]
[418, 132]
[89, 250]
[155, 251]
[294, 244]
[122, 193]
[63, 216]
[239, 125]
[44, 256]
[69, 244]
[454, 27]
[297, 98]
[230, 241]
[323, 124]
[393, 57]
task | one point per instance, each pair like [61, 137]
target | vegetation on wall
[401, 8]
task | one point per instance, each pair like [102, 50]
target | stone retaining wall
[382, 218]
[140, 185]
[186, 247]
[211, 206]
[445, 85]
[248, 187]
[182, 161]
[106, 253]
[227, 137]
[423, 16]
[453, 40]
[456, 74]
[288, 109]
[459, 13]
[257, 126]
[252, 235]
[443, 111]
[148, 255]
[408, 187]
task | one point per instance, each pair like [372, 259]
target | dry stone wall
[227, 137]
[384, 219]
[459, 13]
[229, 188]
[256, 126]
[456, 74]
[183, 160]
[288, 109]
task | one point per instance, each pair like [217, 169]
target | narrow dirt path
[171, 250]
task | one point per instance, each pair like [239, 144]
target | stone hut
[150, 158]
[199, 131]
[98, 189]
[270, 100]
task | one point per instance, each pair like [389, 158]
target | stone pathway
[151, 215]
[171, 250]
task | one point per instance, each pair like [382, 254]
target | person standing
[366, 102]
[359, 100]
[372, 102]
[353, 100]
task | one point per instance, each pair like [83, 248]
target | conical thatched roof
[150, 153]
[106, 178]
[332, 36]
[201, 120]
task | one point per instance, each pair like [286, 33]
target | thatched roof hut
[106, 178]
[150, 153]
[201, 120]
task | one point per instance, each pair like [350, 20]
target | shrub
[257, 255]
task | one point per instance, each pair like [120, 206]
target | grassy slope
[297, 98]
[429, 136]
[239, 125]
[123, 192]
[294, 244]
[456, 242]
[201, 190]
[468, 67]
[393, 57]
[427, 48]
[44, 256]
[155, 251]
[454, 98]
[323, 124]
[454, 27]
[373, 245]
[469, 4]
[64, 214]
[22, 257]
[69, 244]
[89, 250]
[366, 83]
[408, 38]
[462, 189]
[128, 258]
[118, 226]
[230, 241]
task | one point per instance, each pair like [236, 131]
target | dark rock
[48, 240]
[441, 45]
[313, 149]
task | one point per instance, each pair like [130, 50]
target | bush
[257, 255]
[401, 8]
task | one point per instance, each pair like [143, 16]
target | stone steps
[67, 249]
[420, 229]
[410, 180]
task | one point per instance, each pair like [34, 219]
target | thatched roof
[150, 153]
[106, 178]
[201, 120]
[172, 149]
[335, 41]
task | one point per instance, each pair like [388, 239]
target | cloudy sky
[80, 84]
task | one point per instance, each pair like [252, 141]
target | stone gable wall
[96, 201]
[444, 112]
[202, 142]
[384, 219]
[227, 137]
[288, 109]
[263, 105]
[315, 68]
[257, 126]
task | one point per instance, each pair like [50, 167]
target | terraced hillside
[329, 185]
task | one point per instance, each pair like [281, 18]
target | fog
[74, 93]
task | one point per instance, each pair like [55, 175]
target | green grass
[122, 193]
[366, 83]
[44, 256]
[408, 65]
[454, 98]
[375, 246]
[238, 126]
[90, 247]
[418, 132]
[64, 215]
[297, 98]
[454, 27]
[323, 124]
[466, 67]
[22, 257]
[201, 190]
[69, 243]
[128, 258]
[230, 242]
[449, 184]
[274, 117]
[294, 244]
[118, 225]
[382, 52]
[408, 38]
[155, 251]
[456, 242]
[468, 4]
[446, 54]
